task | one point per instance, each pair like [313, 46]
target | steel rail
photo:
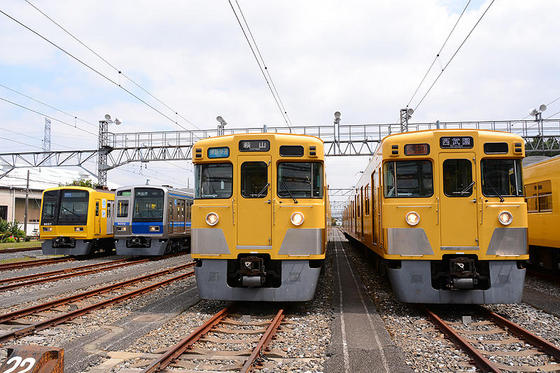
[480, 361]
[57, 302]
[263, 342]
[177, 350]
[82, 311]
[59, 271]
[19, 249]
[33, 263]
[68, 275]
[524, 334]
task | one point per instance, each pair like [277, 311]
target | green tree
[81, 182]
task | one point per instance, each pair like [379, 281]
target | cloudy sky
[363, 58]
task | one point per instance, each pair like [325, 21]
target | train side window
[254, 180]
[457, 178]
[96, 208]
[366, 194]
[545, 196]
[109, 208]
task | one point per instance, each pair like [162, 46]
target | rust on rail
[263, 342]
[33, 263]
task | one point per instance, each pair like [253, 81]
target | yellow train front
[76, 221]
[259, 217]
[445, 213]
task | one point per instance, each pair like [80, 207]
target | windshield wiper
[465, 189]
[262, 190]
[288, 190]
[495, 191]
[72, 212]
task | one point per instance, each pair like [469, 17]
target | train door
[110, 219]
[170, 209]
[254, 228]
[97, 218]
[362, 203]
[459, 222]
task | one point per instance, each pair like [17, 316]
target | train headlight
[78, 229]
[154, 228]
[412, 218]
[297, 218]
[212, 218]
[47, 229]
[505, 217]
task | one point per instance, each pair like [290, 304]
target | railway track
[33, 263]
[38, 278]
[490, 338]
[19, 249]
[221, 330]
[53, 313]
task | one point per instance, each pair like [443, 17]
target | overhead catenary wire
[93, 69]
[119, 71]
[261, 63]
[48, 116]
[47, 105]
[438, 53]
[453, 55]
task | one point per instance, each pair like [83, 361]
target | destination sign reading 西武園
[456, 142]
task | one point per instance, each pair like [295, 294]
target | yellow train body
[542, 182]
[249, 190]
[76, 220]
[426, 203]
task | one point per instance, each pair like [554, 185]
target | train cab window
[254, 179]
[122, 208]
[50, 202]
[74, 207]
[148, 205]
[501, 177]
[457, 178]
[408, 179]
[213, 180]
[300, 180]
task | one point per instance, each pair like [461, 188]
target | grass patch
[14, 245]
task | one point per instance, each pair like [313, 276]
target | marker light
[505, 217]
[212, 218]
[154, 228]
[297, 218]
[47, 229]
[412, 218]
[78, 229]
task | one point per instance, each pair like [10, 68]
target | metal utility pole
[221, 125]
[537, 113]
[25, 216]
[47, 137]
[405, 115]
[336, 130]
[103, 149]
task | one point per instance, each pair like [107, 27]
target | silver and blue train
[152, 220]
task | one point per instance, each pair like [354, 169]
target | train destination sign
[456, 142]
[254, 145]
[221, 152]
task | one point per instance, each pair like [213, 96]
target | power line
[92, 69]
[453, 56]
[19, 142]
[47, 105]
[262, 65]
[110, 64]
[48, 116]
[439, 52]
[31, 137]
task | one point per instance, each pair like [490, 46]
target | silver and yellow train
[259, 219]
[542, 183]
[152, 220]
[444, 212]
[76, 221]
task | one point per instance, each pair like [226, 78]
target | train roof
[425, 134]
[289, 137]
[74, 187]
[167, 188]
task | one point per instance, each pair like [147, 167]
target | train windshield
[300, 180]
[408, 179]
[213, 180]
[73, 207]
[148, 205]
[50, 204]
[502, 177]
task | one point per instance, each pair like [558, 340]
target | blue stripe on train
[144, 227]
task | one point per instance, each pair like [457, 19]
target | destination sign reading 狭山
[456, 142]
[254, 145]
[222, 152]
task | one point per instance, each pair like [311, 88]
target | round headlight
[297, 218]
[212, 218]
[505, 217]
[412, 218]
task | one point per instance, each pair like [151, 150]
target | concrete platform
[360, 342]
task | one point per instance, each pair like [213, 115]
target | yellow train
[542, 182]
[259, 218]
[76, 221]
[444, 212]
